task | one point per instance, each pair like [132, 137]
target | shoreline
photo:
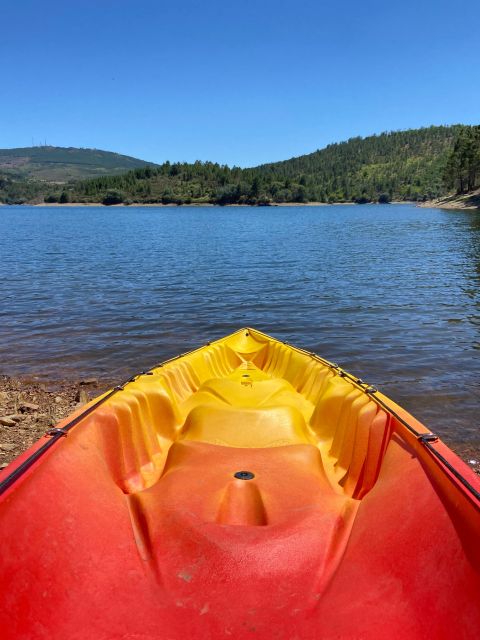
[467, 201]
[206, 204]
[29, 406]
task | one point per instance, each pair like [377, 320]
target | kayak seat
[236, 427]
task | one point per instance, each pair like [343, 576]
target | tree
[462, 169]
[113, 197]
[255, 188]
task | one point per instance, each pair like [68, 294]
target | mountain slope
[60, 164]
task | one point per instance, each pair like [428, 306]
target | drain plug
[244, 475]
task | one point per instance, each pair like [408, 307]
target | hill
[401, 165]
[60, 164]
[417, 164]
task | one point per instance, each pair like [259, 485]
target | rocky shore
[31, 406]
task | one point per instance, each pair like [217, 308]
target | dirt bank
[466, 201]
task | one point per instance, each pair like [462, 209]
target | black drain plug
[244, 475]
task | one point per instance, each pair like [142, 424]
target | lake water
[390, 292]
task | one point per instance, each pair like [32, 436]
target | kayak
[245, 489]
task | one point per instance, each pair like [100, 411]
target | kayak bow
[245, 487]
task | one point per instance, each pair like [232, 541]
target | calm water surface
[390, 292]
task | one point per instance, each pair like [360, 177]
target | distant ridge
[64, 164]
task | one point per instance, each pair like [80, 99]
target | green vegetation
[20, 191]
[462, 171]
[402, 165]
[416, 165]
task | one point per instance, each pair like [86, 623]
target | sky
[239, 83]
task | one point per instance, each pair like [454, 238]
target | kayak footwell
[245, 488]
[284, 521]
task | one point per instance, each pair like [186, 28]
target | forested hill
[417, 164]
[400, 165]
[404, 165]
[63, 164]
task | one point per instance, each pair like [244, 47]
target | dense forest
[462, 170]
[414, 165]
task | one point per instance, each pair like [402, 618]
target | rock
[89, 381]
[49, 388]
[18, 417]
[82, 396]
[3, 396]
[3, 465]
[58, 400]
[7, 422]
[28, 406]
[6, 446]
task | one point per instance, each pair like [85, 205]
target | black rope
[453, 471]
[20, 470]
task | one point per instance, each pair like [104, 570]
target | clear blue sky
[240, 82]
